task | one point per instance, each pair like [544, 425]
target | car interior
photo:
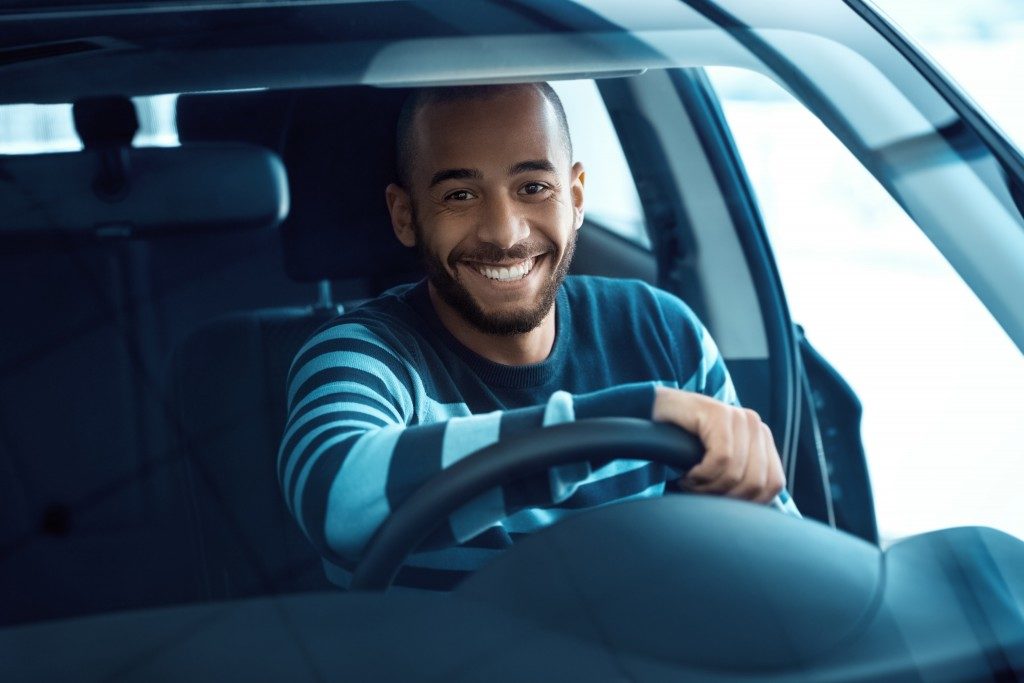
[188, 316]
[157, 296]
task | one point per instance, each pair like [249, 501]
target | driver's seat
[227, 378]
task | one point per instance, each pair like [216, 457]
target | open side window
[713, 251]
[931, 364]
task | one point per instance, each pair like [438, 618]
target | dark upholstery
[93, 497]
[228, 377]
[148, 193]
[338, 148]
[228, 385]
[93, 508]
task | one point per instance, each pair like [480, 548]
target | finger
[709, 475]
[775, 478]
[726, 459]
[715, 461]
[755, 476]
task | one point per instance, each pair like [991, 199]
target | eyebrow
[454, 174]
[532, 165]
[474, 174]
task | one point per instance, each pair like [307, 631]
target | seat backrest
[227, 383]
[228, 377]
[92, 497]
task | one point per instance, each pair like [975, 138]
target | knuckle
[747, 491]
[732, 478]
[717, 461]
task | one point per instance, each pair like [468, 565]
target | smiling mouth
[506, 272]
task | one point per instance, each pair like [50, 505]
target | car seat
[93, 500]
[227, 378]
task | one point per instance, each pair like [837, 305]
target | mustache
[490, 253]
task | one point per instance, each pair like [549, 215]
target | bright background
[942, 385]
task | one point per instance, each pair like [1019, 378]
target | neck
[520, 349]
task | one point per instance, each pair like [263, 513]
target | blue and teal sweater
[384, 397]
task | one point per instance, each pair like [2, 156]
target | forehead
[488, 133]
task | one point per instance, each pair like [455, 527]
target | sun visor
[141, 193]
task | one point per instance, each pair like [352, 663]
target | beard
[454, 293]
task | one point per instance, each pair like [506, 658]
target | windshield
[111, 296]
[966, 39]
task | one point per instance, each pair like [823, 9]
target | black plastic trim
[720, 150]
[665, 216]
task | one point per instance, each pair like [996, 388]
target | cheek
[442, 247]
[559, 221]
[431, 235]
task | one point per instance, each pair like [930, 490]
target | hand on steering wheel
[511, 459]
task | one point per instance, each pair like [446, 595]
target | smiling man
[497, 341]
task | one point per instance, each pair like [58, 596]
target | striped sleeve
[699, 364]
[717, 383]
[711, 377]
[362, 435]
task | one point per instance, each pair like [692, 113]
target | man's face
[495, 207]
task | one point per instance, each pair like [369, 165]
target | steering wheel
[510, 459]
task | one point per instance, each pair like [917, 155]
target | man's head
[490, 198]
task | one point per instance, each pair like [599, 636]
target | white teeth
[506, 274]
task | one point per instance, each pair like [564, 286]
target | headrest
[338, 146]
[75, 197]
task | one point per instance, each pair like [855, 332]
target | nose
[503, 224]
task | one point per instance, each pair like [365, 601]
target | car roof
[149, 48]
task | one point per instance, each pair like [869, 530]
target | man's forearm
[344, 471]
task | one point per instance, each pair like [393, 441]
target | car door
[826, 465]
[897, 249]
[711, 249]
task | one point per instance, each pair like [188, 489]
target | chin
[508, 324]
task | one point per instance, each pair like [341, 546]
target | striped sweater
[384, 397]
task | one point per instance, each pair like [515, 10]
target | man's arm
[355, 445]
[354, 448]
[740, 458]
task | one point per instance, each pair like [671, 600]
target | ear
[400, 208]
[577, 177]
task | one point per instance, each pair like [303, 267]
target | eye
[534, 188]
[458, 196]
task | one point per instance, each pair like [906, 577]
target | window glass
[37, 128]
[611, 197]
[41, 128]
[940, 381]
[975, 42]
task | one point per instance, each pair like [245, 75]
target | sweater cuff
[625, 400]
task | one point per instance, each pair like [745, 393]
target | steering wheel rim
[617, 438]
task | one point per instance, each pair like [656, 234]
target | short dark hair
[417, 99]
